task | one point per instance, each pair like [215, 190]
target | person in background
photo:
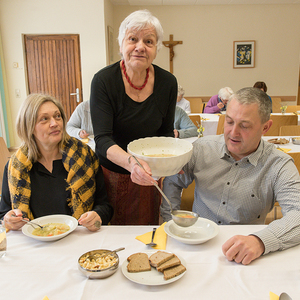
[238, 178]
[262, 86]
[216, 104]
[182, 102]
[80, 123]
[51, 172]
[184, 127]
[132, 99]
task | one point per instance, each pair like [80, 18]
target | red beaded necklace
[128, 79]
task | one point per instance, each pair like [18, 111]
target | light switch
[18, 93]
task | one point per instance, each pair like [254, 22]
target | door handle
[77, 95]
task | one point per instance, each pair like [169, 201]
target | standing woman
[52, 173]
[132, 99]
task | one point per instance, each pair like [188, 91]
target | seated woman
[51, 172]
[182, 102]
[80, 123]
[184, 127]
[217, 103]
[262, 86]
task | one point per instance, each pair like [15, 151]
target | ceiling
[200, 2]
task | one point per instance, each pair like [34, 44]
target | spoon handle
[156, 185]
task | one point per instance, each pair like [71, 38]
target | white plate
[202, 231]
[152, 277]
[69, 220]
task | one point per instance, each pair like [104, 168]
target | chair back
[220, 128]
[195, 119]
[187, 197]
[196, 104]
[281, 120]
[290, 130]
[292, 108]
[276, 104]
[4, 157]
[296, 157]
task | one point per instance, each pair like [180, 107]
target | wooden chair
[292, 108]
[187, 197]
[196, 119]
[4, 157]
[220, 128]
[276, 104]
[196, 104]
[281, 120]
[290, 130]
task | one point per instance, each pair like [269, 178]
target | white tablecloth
[294, 148]
[32, 269]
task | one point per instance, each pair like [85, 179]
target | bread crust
[159, 257]
[138, 262]
[174, 261]
[174, 271]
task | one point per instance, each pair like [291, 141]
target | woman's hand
[91, 220]
[83, 134]
[13, 219]
[139, 175]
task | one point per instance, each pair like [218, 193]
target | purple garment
[211, 106]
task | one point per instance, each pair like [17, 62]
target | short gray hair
[181, 91]
[225, 93]
[250, 95]
[139, 20]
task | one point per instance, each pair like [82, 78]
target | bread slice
[159, 258]
[138, 262]
[174, 261]
[174, 271]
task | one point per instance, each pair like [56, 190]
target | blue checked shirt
[241, 192]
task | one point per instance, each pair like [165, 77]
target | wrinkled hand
[83, 134]
[243, 249]
[176, 133]
[220, 105]
[140, 176]
[89, 220]
[14, 223]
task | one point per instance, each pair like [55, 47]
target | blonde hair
[27, 118]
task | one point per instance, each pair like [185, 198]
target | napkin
[273, 296]
[160, 237]
[284, 149]
[45, 298]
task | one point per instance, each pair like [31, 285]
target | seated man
[184, 127]
[80, 123]
[218, 103]
[238, 178]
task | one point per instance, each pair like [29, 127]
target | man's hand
[243, 249]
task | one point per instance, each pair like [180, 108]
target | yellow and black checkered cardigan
[79, 161]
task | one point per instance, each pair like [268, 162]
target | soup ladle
[182, 218]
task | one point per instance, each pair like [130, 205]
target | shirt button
[219, 222]
[236, 164]
[224, 202]
[258, 217]
[252, 195]
[228, 183]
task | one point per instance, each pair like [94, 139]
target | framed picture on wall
[243, 54]
[110, 34]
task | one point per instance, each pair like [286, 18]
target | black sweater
[117, 119]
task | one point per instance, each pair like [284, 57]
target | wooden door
[53, 67]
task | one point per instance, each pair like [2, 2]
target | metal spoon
[284, 296]
[94, 257]
[183, 222]
[152, 244]
[30, 222]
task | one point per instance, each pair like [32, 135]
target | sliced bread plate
[152, 277]
[202, 231]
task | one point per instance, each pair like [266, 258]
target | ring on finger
[97, 224]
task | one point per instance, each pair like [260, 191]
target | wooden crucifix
[170, 44]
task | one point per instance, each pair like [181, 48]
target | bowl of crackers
[100, 263]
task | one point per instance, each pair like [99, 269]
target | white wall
[18, 17]
[204, 62]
